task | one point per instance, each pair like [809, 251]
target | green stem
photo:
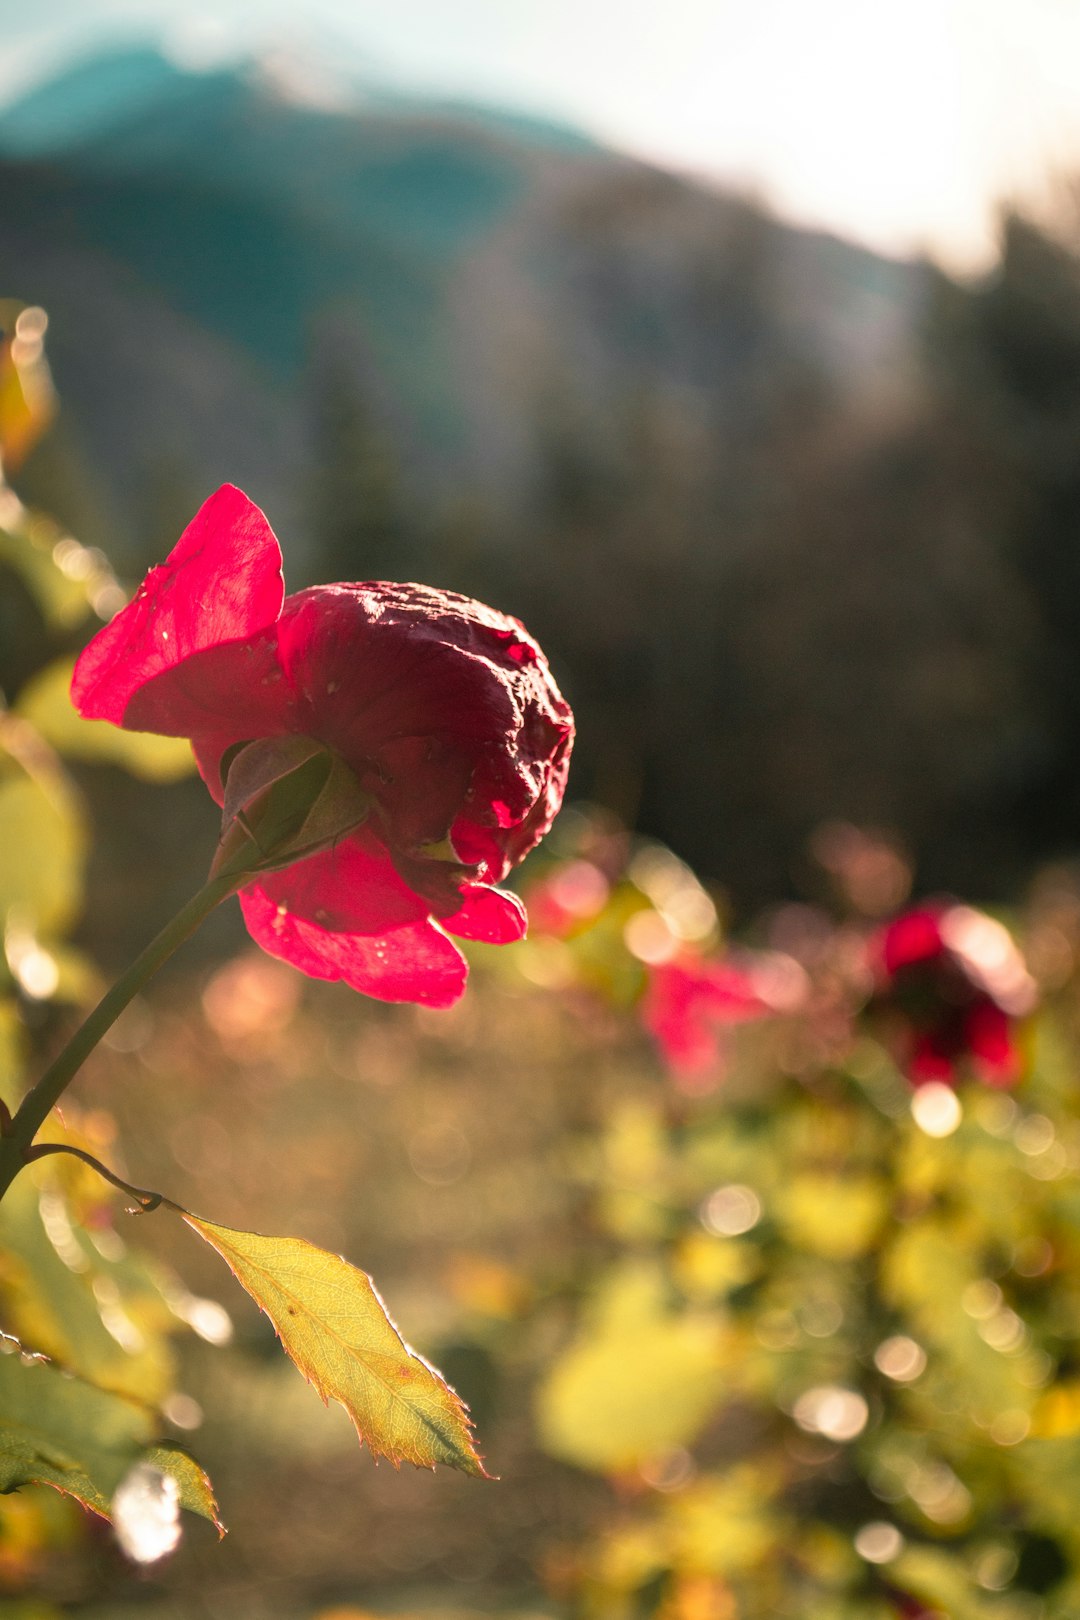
[43, 1097]
[147, 1200]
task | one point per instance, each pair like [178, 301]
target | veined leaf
[334, 1326]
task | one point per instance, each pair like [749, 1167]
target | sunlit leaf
[640, 1379]
[59, 1430]
[12, 1053]
[726, 1524]
[938, 1578]
[634, 1175]
[930, 1273]
[1049, 1474]
[42, 838]
[334, 1326]
[1057, 1413]
[27, 399]
[46, 703]
[707, 1267]
[60, 1295]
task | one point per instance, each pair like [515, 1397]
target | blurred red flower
[689, 1003]
[444, 710]
[952, 986]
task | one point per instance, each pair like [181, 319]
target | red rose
[443, 710]
[952, 986]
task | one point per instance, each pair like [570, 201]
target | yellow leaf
[725, 1525]
[1057, 1413]
[641, 1379]
[707, 1268]
[334, 1326]
[838, 1217]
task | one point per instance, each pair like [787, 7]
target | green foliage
[883, 1409]
[96, 1313]
[80, 1404]
[45, 703]
[60, 1431]
[42, 836]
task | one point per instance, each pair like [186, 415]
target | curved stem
[42, 1097]
[147, 1200]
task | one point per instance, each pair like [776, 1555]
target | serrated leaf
[58, 1430]
[196, 1492]
[333, 1325]
[45, 702]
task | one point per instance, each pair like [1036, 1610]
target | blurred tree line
[777, 600]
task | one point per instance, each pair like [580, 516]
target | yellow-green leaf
[42, 837]
[334, 1326]
[59, 1430]
[46, 703]
[196, 1492]
[61, 1296]
[836, 1216]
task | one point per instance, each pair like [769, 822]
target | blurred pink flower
[567, 898]
[952, 986]
[444, 711]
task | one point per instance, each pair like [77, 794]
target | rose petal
[416, 962]
[221, 583]
[237, 690]
[352, 888]
[381, 661]
[444, 710]
[990, 1040]
[418, 692]
[911, 938]
[493, 916]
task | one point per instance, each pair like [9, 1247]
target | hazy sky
[899, 125]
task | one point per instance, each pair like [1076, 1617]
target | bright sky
[899, 125]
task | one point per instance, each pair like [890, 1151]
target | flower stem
[42, 1097]
[147, 1200]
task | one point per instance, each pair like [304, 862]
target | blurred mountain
[208, 243]
[692, 446]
